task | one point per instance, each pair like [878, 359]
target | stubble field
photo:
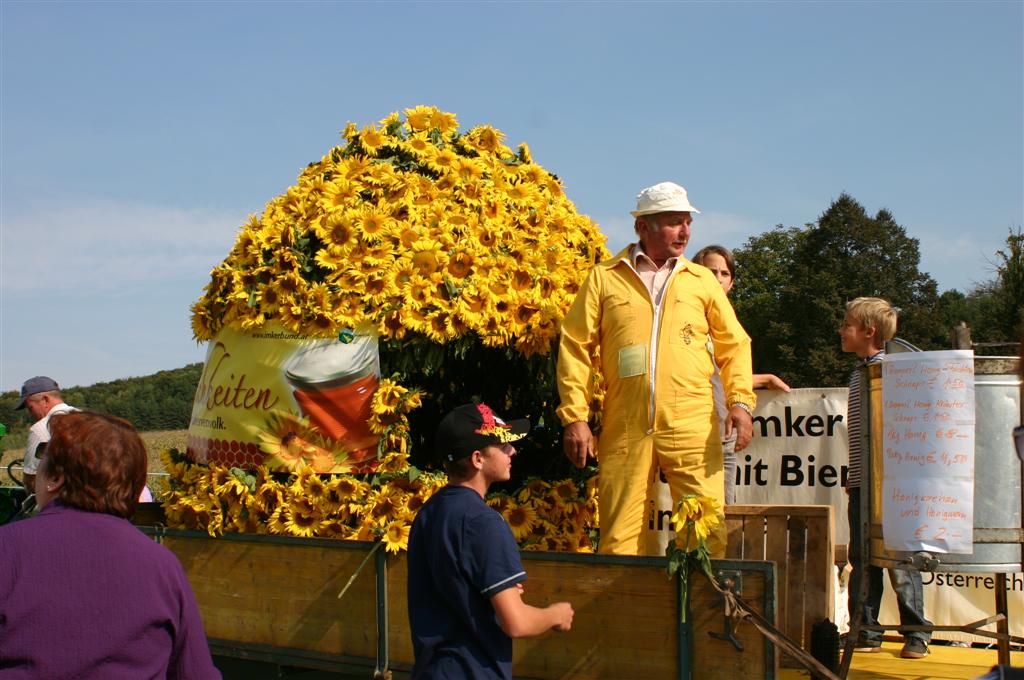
[156, 442]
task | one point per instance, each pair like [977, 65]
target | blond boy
[869, 323]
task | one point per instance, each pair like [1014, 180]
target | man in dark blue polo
[465, 575]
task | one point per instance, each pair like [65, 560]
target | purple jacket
[87, 595]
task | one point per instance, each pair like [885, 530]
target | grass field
[155, 443]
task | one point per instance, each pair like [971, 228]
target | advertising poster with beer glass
[287, 400]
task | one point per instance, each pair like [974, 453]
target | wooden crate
[799, 540]
[275, 598]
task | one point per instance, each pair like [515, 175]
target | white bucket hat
[663, 197]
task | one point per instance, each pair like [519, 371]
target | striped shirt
[853, 421]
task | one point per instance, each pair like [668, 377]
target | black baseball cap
[471, 427]
[35, 385]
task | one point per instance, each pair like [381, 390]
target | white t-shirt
[38, 434]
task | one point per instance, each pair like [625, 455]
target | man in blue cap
[41, 397]
[465, 597]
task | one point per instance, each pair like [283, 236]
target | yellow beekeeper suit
[659, 408]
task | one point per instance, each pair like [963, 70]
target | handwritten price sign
[928, 462]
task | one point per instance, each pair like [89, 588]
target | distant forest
[162, 401]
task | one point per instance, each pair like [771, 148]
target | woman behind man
[83, 593]
[720, 261]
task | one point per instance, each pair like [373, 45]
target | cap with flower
[471, 427]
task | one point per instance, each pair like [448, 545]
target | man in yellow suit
[653, 318]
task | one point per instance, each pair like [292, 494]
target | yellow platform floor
[943, 663]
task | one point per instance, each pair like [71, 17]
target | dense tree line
[792, 285]
[162, 401]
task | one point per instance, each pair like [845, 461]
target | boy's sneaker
[868, 646]
[914, 649]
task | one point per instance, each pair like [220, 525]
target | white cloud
[962, 262]
[104, 246]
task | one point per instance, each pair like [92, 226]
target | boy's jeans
[906, 583]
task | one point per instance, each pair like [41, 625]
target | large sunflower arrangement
[465, 256]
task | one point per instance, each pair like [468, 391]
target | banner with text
[798, 456]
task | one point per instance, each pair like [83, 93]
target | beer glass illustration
[334, 382]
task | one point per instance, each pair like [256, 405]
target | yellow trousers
[690, 457]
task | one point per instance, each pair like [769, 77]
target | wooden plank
[753, 538]
[283, 595]
[777, 551]
[624, 625]
[819, 572]
[399, 635]
[777, 510]
[734, 532]
[796, 590]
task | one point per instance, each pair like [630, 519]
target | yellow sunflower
[485, 138]
[301, 517]
[269, 496]
[414, 502]
[427, 257]
[388, 396]
[396, 536]
[371, 138]
[418, 117]
[521, 519]
[314, 488]
[394, 462]
[445, 122]
[499, 501]
[373, 223]
[343, 489]
[384, 505]
[534, 487]
[334, 528]
[702, 512]
[442, 160]
[460, 264]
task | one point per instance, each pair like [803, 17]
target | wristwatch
[743, 406]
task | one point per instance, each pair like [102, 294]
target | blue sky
[136, 137]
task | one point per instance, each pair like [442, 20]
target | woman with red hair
[83, 593]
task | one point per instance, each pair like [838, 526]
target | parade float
[413, 268]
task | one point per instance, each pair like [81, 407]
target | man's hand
[578, 442]
[740, 422]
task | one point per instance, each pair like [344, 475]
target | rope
[738, 610]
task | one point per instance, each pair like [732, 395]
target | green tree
[1009, 288]
[994, 310]
[796, 282]
[763, 271]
